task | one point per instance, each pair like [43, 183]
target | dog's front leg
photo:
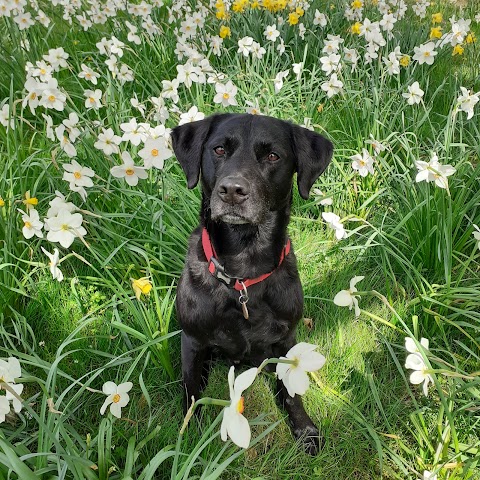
[193, 358]
[302, 425]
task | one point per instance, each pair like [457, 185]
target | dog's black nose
[233, 190]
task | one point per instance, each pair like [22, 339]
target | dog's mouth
[233, 219]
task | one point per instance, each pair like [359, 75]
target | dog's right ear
[187, 141]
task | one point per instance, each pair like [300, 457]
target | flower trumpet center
[226, 95]
[65, 227]
[129, 171]
[51, 98]
[154, 152]
[92, 100]
[116, 398]
[241, 405]
[28, 224]
[77, 175]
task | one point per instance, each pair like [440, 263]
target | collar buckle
[218, 271]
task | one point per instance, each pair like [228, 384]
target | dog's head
[247, 163]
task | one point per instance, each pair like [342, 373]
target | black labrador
[240, 293]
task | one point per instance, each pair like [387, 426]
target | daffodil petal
[354, 281]
[425, 343]
[124, 387]
[343, 298]
[410, 345]
[106, 403]
[298, 382]
[311, 362]
[124, 399]
[244, 380]
[116, 410]
[417, 377]
[109, 388]
[300, 348]
[239, 430]
[282, 369]
[231, 380]
[414, 361]
[223, 427]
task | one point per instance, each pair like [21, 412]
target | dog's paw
[310, 438]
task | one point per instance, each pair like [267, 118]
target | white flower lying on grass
[346, 298]
[414, 361]
[54, 262]
[294, 376]
[434, 171]
[414, 95]
[31, 224]
[363, 163]
[333, 221]
[117, 397]
[428, 475]
[234, 424]
[129, 170]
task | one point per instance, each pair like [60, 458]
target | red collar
[218, 271]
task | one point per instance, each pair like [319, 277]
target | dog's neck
[247, 251]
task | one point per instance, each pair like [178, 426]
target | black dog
[241, 252]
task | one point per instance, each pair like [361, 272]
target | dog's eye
[219, 150]
[273, 157]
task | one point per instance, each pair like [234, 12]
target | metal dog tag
[243, 299]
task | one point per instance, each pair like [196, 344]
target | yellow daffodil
[457, 50]
[355, 28]
[30, 202]
[224, 31]
[141, 285]
[320, 108]
[293, 18]
[2, 202]
[471, 38]
[255, 5]
[437, 18]
[357, 4]
[299, 11]
[221, 14]
[436, 32]
[405, 61]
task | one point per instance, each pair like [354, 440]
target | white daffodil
[31, 224]
[108, 142]
[333, 221]
[428, 475]
[88, 74]
[234, 424]
[425, 53]
[294, 376]
[333, 86]
[117, 397]
[65, 227]
[271, 33]
[93, 99]
[414, 94]
[321, 197]
[434, 171]
[155, 152]
[10, 369]
[193, 115]
[53, 264]
[129, 170]
[467, 101]
[278, 81]
[346, 298]
[77, 175]
[4, 408]
[476, 235]
[415, 362]
[225, 94]
[363, 163]
[376, 145]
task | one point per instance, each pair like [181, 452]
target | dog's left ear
[314, 153]
[187, 142]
